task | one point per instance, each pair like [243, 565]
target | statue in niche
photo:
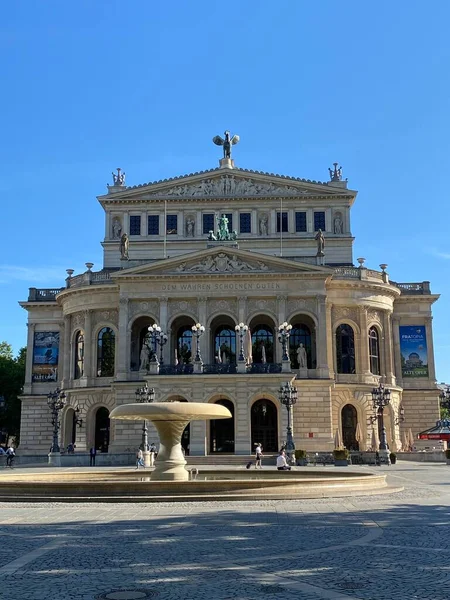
[124, 243]
[301, 357]
[263, 225]
[338, 225]
[320, 243]
[117, 228]
[143, 358]
[190, 227]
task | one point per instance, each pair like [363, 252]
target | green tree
[12, 377]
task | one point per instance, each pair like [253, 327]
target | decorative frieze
[105, 316]
[262, 304]
[374, 316]
[78, 320]
[179, 307]
[143, 306]
[299, 304]
[344, 312]
[223, 305]
[222, 263]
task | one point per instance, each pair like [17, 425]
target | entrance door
[264, 425]
[102, 429]
[349, 418]
[221, 437]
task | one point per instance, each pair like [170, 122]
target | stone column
[205, 339]
[272, 225]
[330, 339]
[163, 312]
[396, 349]
[29, 362]
[281, 312]
[430, 349]
[389, 367]
[254, 220]
[123, 342]
[66, 353]
[242, 309]
[309, 220]
[324, 356]
[89, 356]
[364, 367]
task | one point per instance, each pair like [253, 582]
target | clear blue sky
[144, 85]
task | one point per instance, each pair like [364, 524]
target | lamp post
[241, 330]
[157, 336]
[381, 397]
[284, 333]
[288, 396]
[197, 330]
[145, 394]
[56, 402]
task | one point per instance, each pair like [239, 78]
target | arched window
[345, 349]
[79, 355]
[374, 351]
[184, 344]
[300, 334]
[262, 344]
[106, 345]
[225, 345]
[349, 418]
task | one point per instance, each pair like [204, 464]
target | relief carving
[145, 306]
[299, 304]
[344, 312]
[374, 316]
[78, 320]
[222, 263]
[217, 306]
[181, 306]
[262, 304]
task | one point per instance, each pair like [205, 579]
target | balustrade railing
[43, 295]
[219, 369]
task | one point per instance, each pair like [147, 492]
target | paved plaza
[386, 547]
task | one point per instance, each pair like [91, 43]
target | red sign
[311, 434]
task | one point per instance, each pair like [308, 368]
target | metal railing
[43, 294]
[420, 289]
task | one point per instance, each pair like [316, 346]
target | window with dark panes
[208, 223]
[153, 225]
[172, 224]
[135, 225]
[319, 221]
[245, 223]
[282, 218]
[300, 221]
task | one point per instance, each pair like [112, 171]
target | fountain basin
[170, 420]
[234, 484]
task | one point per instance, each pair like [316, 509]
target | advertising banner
[45, 356]
[413, 349]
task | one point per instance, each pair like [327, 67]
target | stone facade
[176, 275]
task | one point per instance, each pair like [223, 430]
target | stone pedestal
[147, 458]
[198, 366]
[286, 366]
[303, 373]
[54, 459]
[152, 459]
[154, 368]
[241, 367]
[226, 163]
[385, 457]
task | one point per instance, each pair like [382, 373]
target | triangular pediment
[218, 183]
[222, 260]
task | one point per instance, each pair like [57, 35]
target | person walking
[92, 455]
[10, 454]
[258, 456]
[282, 462]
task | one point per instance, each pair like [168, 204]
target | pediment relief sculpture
[229, 185]
[222, 263]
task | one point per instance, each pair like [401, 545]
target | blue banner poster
[413, 349]
[45, 356]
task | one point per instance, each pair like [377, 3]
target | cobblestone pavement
[386, 547]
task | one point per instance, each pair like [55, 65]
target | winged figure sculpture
[226, 143]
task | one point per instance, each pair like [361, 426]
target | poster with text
[45, 356]
[413, 349]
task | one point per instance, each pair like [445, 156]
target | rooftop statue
[119, 179]
[226, 143]
[336, 173]
[223, 234]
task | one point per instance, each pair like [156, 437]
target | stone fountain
[170, 420]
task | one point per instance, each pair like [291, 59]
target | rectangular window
[229, 216]
[153, 225]
[319, 221]
[208, 223]
[300, 221]
[245, 223]
[135, 225]
[172, 224]
[283, 219]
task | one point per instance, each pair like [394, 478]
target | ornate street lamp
[241, 330]
[284, 333]
[145, 394]
[157, 336]
[444, 398]
[381, 397]
[288, 396]
[197, 330]
[56, 402]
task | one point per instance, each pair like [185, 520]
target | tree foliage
[12, 377]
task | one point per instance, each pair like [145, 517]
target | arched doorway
[221, 437]
[139, 332]
[303, 332]
[349, 419]
[102, 429]
[264, 425]
[223, 340]
[345, 349]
